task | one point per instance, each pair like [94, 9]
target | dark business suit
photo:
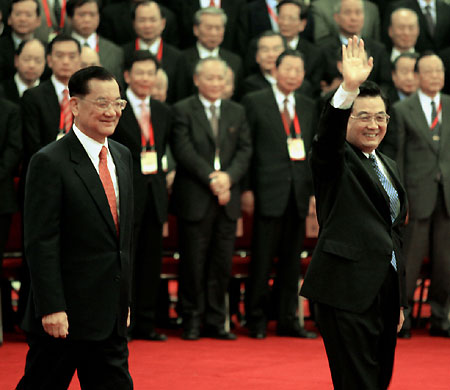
[7, 51]
[236, 30]
[425, 168]
[41, 113]
[78, 263]
[8, 90]
[425, 41]
[206, 230]
[43, 31]
[169, 62]
[381, 73]
[10, 157]
[350, 276]
[188, 61]
[150, 207]
[111, 57]
[282, 189]
[116, 23]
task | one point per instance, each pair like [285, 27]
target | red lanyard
[160, 50]
[436, 119]
[97, 49]
[272, 14]
[151, 139]
[297, 129]
[47, 13]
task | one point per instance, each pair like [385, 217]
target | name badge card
[217, 163]
[296, 149]
[149, 162]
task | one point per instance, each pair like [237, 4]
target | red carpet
[246, 364]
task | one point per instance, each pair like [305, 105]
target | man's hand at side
[56, 324]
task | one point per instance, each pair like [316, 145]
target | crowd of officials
[222, 103]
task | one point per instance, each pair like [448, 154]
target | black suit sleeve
[11, 152]
[42, 234]
[31, 134]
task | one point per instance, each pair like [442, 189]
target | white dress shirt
[91, 40]
[425, 102]
[207, 105]
[280, 98]
[59, 88]
[21, 86]
[136, 103]
[203, 52]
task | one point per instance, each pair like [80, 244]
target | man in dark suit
[357, 269]
[10, 157]
[30, 63]
[236, 30]
[84, 19]
[212, 148]
[78, 223]
[144, 128]
[149, 25]
[116, 23]
[350, 20]
[403, 32]
[209, 27]
[22, 28]
[41, 106]
[270, 45]
[434, 29]
[422, 123]
[53, 20]
[283, 125]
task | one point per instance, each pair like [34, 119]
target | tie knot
[103, 153]
[373, 159]
[212, 108]
[66, 93]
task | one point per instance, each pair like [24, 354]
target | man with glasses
[422, 123]
[356, 276]
[78, 223]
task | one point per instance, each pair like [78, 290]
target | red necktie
[212, 3]
[144, 120]
[67, 112]
[285, 114]
[105, 177]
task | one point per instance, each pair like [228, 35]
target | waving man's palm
[356, 66]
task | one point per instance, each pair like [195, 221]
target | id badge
[164, 163]
[217, 163]
[60, 135]
[149, 162]
[296, 149]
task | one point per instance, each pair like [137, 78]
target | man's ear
[74, 106]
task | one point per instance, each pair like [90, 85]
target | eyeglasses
[380, 118]
[105, 105]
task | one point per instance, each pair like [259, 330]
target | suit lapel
[91, 179]
[418, 117]
[202, 119]
[444, 133]
[131, 126]
[123, 182]
[273, 111]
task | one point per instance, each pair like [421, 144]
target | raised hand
[355, 65]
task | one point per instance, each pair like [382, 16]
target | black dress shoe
[404, 334]
[296, 332]
[190, 334]
[257, 334]
[150, 336]
[438, 332]
[219, 334]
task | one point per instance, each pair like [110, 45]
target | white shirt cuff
[344, 99]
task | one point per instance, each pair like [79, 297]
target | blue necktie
[394, 202]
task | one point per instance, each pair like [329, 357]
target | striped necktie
[67, 112]
[394, 202]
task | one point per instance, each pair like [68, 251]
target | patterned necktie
[67, 112]
[214, 120]
[105, 177]
[429, 19]
[285, 114]
[434, 117]
[144, 120]
[394, 202]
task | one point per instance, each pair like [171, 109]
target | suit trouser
[100, 365]
[206, 249]
[361, 346]
[147, 267]
[275, 236]
[430, 237]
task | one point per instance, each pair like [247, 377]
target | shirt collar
[272, 80]
[344, 39]
[294, 43]
[280, 96]
[423, 4]
[153, 48]
[425, 100]
[91, 146]
[21, 86]
[16, 40]
[395, 52]
[135, 101]
[203, 52]
[59, 87]
[207, 104]
[91, 40]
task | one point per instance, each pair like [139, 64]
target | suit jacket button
[117, 278]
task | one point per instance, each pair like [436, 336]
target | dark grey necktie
[429, 19]
[214, 121]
